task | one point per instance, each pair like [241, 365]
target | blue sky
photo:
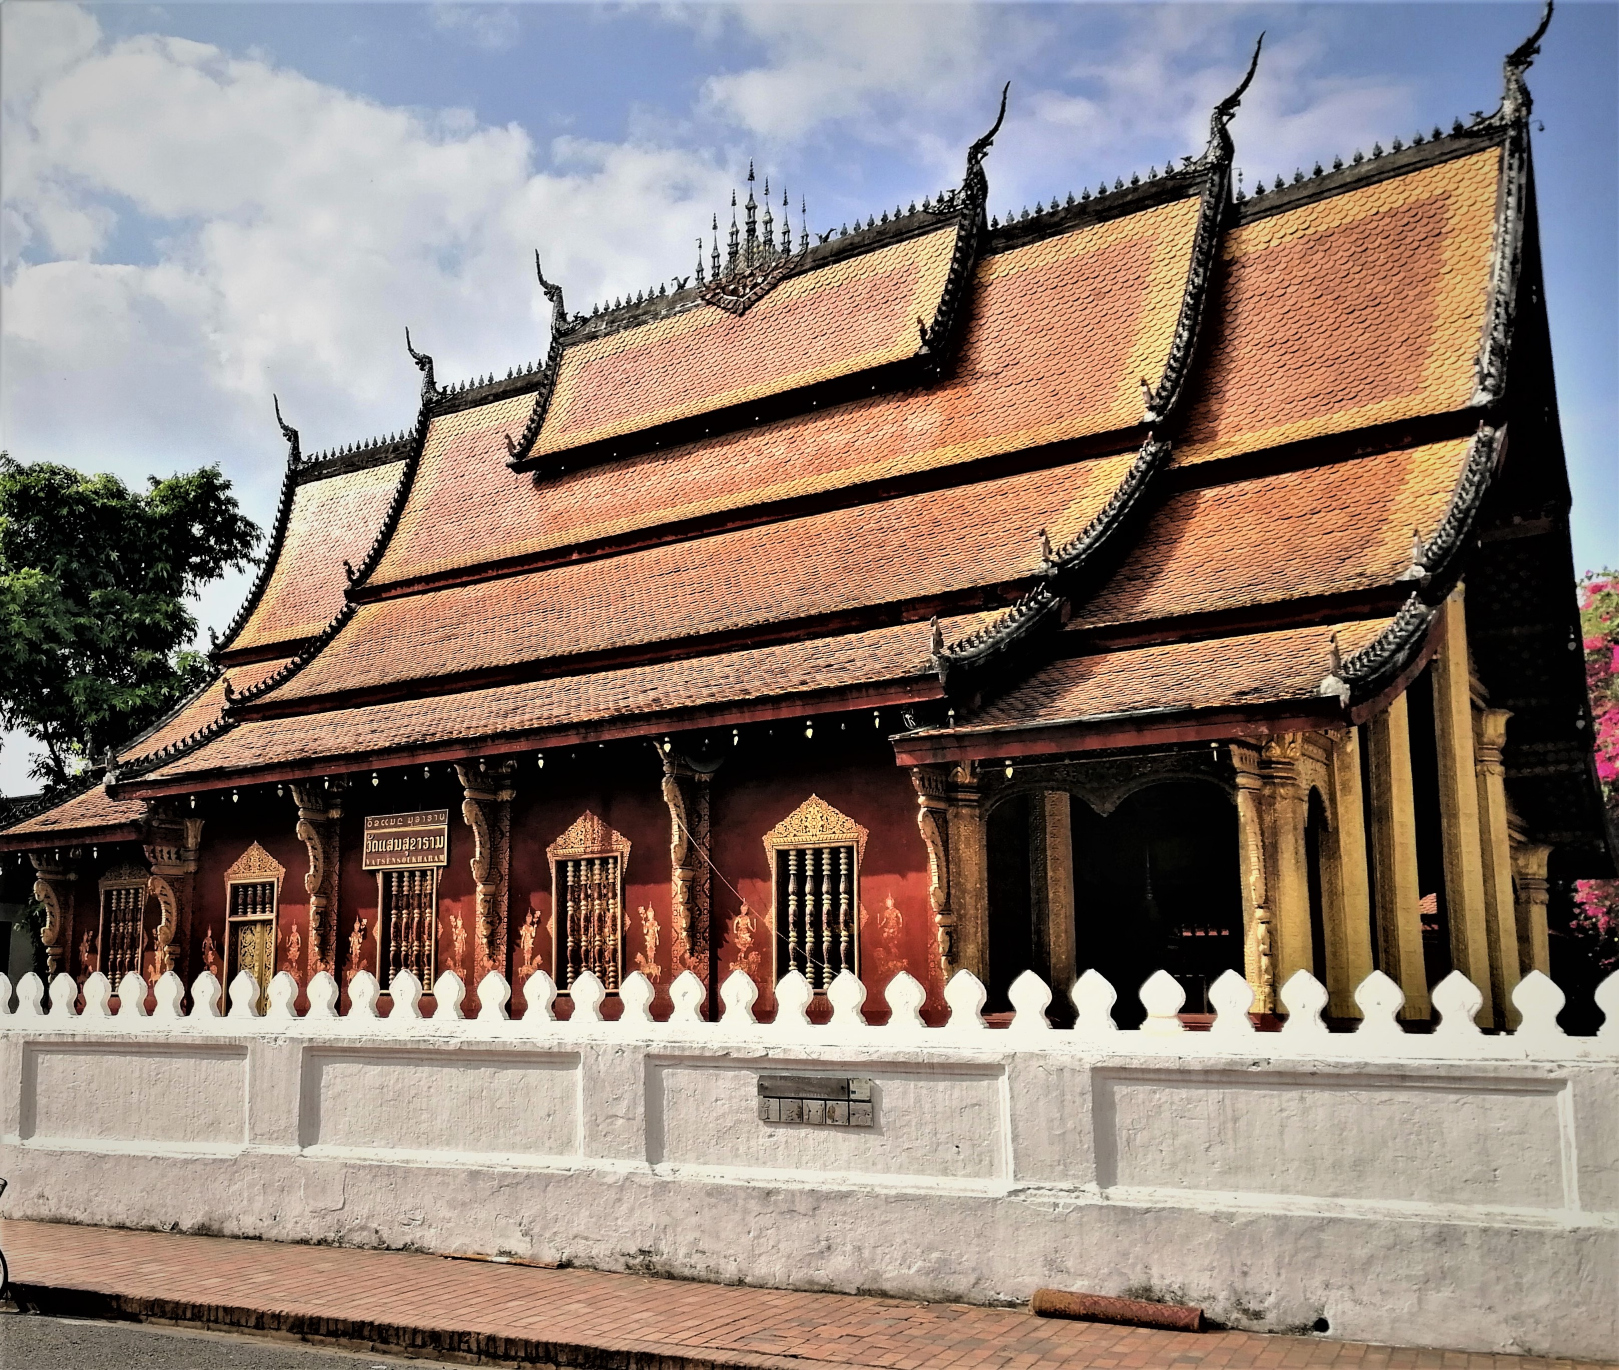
[207, 202]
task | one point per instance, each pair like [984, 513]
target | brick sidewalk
[582, 1318]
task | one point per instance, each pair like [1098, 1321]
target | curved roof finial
[294, 452]
[424, 364]
[559, 312]
[1515, 101]
[975, 154]
[1220, 146]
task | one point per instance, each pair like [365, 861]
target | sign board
[406, 839]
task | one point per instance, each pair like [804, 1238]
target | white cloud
[299, 228]
[490, 27]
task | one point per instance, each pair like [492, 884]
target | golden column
[1529, 877]
[1348, 913]
[1285, 812]
[1458, 804]
[1057, 901]
[949, 816]
[1394, 856]
[1258, 942]
[1500, 911]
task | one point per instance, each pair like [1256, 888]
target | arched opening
[1315, 840]
[1157, 886]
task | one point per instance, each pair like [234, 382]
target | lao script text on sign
[407, 839]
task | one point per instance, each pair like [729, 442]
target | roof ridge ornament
[1516, 101]
[295, 454]
[754, 263]
[1220, 147]
[424, 364]
[980, 148]
[560, 322]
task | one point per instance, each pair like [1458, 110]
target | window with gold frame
[252, 906]
[121, 934]
[587, 894]
[815, 854]
[407, 924]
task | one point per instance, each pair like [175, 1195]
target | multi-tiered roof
[1153, 464]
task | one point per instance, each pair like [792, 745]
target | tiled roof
[1323, 530]
[1365, 307]
[87, 813]
[912, 548]
[850, 316]
[332, 521]
[623, 701]
[200, 710]
[1249, 669]
[1059, 334]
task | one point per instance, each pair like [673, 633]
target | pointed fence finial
[295, 454]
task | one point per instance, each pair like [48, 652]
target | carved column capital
[320, 813]
[172, 842]
[52, 879]
[687, 795]
[933, 788]
[1489, 738]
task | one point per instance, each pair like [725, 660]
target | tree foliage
[1596, 902]
[94, 583]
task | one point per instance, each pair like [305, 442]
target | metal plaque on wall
[407, 839]
[818, 1100]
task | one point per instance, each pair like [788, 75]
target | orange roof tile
[907, 548]
[86, 813]
[332, 520]
[894, 654]
[1059, 334]
[1322, 530]
[849, 316]
[1253, 668]
[1361, 308]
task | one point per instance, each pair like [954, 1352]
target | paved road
[37, 1343]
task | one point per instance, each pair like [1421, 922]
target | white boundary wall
[1453, 1189]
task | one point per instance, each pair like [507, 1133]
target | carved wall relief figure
[356, 961]
[646, 960]
[745, 937]
[528, 954]
[210, 956]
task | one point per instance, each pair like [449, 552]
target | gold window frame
[255, 866]
[588, 838]
[815, 824]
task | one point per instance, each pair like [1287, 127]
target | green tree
[94, 580]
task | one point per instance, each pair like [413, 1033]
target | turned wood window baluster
[815, 860]
[587, 884]
[123, 934]
[408, 923]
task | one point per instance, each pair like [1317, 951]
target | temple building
[1170, 575]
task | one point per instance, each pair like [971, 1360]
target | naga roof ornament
[424, 364]
[294, 452]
